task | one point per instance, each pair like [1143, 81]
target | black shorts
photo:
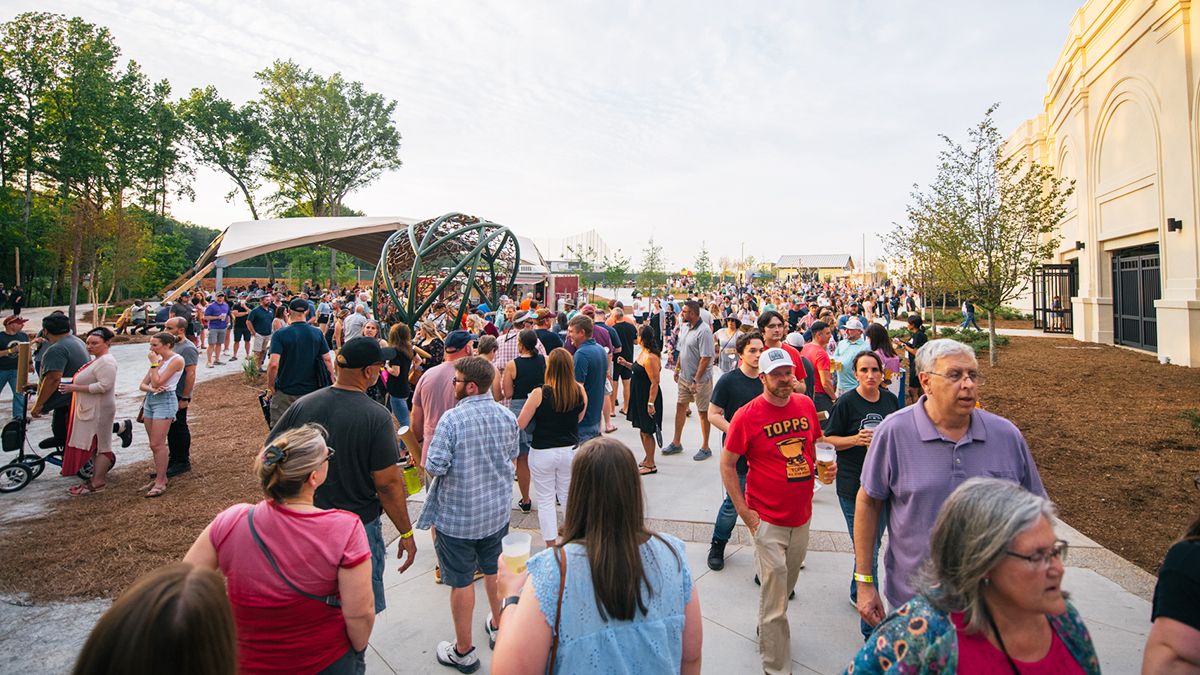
[241, 333]
[622, 372]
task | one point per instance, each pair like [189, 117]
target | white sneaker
[448, 655]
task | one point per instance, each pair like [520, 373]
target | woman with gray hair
[991, 597]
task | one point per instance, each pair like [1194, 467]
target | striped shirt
[507, 349]
[471, 455]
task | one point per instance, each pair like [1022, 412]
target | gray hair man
[918, 456]
[352, 326]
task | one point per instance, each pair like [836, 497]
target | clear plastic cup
[826, 460]
[515, 547]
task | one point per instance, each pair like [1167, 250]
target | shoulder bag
[331, 600]
[561, 557]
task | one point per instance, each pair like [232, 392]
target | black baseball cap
[298, 305]
[457, 339]
[361, 352]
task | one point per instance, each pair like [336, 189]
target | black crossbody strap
[331, 600]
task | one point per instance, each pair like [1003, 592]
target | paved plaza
[681, 499]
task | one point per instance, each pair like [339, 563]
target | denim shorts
[525, 436]
[160, 406]
[459, 558]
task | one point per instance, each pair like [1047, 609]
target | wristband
[864, 578]
[407, 535]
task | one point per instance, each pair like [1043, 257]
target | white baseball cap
[774, 358]
[795, 339]
[854, 324]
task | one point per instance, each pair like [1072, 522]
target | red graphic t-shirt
[778, 444]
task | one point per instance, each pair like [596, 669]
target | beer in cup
[515, 546]
[826, 460]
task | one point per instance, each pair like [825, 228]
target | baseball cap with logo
[361, 352]
[774, 358]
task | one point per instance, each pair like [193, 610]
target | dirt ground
[1104, 426]
[94, 546]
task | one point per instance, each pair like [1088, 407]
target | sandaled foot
[156, 491]
[85, 489]
[610, 430]
[647, 470]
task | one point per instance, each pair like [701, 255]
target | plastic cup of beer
[826, 460]
[515, 547]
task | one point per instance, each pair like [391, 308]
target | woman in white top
[158, 411]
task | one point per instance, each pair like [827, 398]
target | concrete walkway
[682, 499]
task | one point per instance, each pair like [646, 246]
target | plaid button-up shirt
[507, 349]
[471, 455]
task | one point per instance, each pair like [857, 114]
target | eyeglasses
[958, 376]
[1042, 558]
[328, 453]
[775, 324]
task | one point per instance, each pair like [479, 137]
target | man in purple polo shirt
[918, 456]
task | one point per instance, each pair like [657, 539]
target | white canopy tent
[362, 237]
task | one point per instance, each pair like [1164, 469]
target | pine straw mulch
[1104, 425]
[95, 546]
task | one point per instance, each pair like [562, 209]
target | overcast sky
[794, 127]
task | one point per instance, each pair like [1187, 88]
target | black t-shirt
[300, 347]
[397, 385]
[628, 334]
[7, 341]
[1177, 593]
[732, 391]
[183, 309]
[852, 413]
[361, 433]
[549, 339]
[918, 339]
[239, 322]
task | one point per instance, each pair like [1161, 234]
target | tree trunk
[76, 253]
[332, 266]
[992, 338]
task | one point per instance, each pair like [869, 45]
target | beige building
[1121, 120]
[823, 267]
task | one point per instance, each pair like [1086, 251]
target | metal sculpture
[454, 258]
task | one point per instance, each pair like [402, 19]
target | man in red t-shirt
[824, 388]
[776, 432]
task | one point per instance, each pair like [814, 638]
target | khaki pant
[280, 402]
[778, 553]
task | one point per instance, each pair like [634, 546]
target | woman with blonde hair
[555, 408]
[161, 404]
[299, 576]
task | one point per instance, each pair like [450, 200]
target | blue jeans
[588, 432]
[8, 378]
[969, 321]
[848, 513]
[727, 516]
[378, 560]
[400, 410]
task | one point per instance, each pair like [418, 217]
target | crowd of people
[808, 384]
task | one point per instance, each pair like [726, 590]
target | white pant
[550, 469]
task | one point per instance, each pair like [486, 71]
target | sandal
[85, 489]
[155, 491]
[610, 430]
[647, 470]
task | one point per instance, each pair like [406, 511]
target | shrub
[977, 340]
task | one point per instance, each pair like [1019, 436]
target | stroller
[28, 464]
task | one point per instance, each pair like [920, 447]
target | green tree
[654, 267]
[614, 270]
[703, 268]
[326, 137]
[226, 138]
[583, 257]
[988, 220]
[164, 163]
[33, 45]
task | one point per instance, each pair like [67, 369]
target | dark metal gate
[1136, 285]
[1053, 287]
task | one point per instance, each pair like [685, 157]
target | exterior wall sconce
[1174, 225]
[1079, 246]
